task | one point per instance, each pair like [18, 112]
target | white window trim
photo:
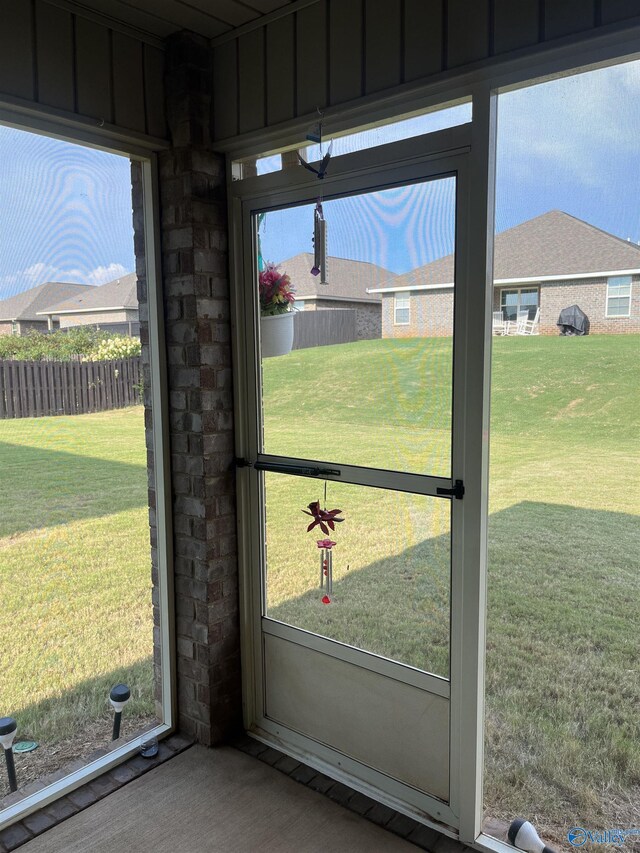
[136, 149]
[618, 316]
[519, 291]
[397, 308]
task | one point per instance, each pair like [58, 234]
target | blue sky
[570, 144]
[66, 213]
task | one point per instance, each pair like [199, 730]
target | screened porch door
[351, 479]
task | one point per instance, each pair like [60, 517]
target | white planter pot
[276, 334]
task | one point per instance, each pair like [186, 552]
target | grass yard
[563, 686]
[75, 574]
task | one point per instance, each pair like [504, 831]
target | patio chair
[521, 323]
[498, 325]
[532, 327]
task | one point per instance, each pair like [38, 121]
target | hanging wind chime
[319, 223]
[326, 520]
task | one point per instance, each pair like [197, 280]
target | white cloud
[101, 275]
[40, 272]
[578, 124]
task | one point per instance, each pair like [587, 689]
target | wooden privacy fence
[30, 389]
[319, 328]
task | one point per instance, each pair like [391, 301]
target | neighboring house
[347, 287]
[22, 313]
[550, 263]
[114, 304]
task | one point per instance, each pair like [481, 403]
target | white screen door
[354, 628]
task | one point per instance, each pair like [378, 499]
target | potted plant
[276, 317]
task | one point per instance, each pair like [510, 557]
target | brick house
[24, 312]
[549, 263]
[346, 288]
[114, 304]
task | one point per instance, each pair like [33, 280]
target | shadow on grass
[562, 683]
[68, 713]
[76, 726]
[45, 488]
[397, 607]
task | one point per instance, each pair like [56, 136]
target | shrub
[116, 346]
[86, 343]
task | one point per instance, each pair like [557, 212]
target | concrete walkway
[205, 801]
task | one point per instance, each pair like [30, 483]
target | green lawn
[563, 693]
[563, 730]
[74, 570]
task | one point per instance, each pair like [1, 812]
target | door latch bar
[456, 492]
[284, 468]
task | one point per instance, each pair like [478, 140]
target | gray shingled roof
[119, 293]
[553, 244]
[346, 278]
[33, 302]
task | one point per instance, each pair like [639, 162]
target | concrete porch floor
[210, 800]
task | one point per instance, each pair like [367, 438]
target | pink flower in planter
[325, 543]
[276, 291]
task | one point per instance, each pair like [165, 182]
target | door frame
[398, 162]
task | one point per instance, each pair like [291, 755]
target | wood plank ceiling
[160, 18]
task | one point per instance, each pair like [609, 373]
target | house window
[523, 299]
[619, 296]
[401, 309]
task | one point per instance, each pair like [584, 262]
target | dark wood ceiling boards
[160, 18]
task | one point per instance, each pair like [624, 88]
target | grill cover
[573, 321]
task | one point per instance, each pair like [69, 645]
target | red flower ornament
[325, 518]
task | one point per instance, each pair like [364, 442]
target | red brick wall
[591, 296]
[430, 315]
[197, 323]
[431, 312]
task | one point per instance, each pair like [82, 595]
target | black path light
[119, 696]
[8, 727]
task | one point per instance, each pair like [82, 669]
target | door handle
[284, 468]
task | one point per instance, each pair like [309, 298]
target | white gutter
[411, 287]
[86, 310]
[499, 281]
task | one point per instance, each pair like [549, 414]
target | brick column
[197, 318]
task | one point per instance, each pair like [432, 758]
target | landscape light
[8, 727]
[119, 696]
[523, 835]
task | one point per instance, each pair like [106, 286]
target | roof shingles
[346, 278]
[119, 293]
[33, 303]
[553, 244]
